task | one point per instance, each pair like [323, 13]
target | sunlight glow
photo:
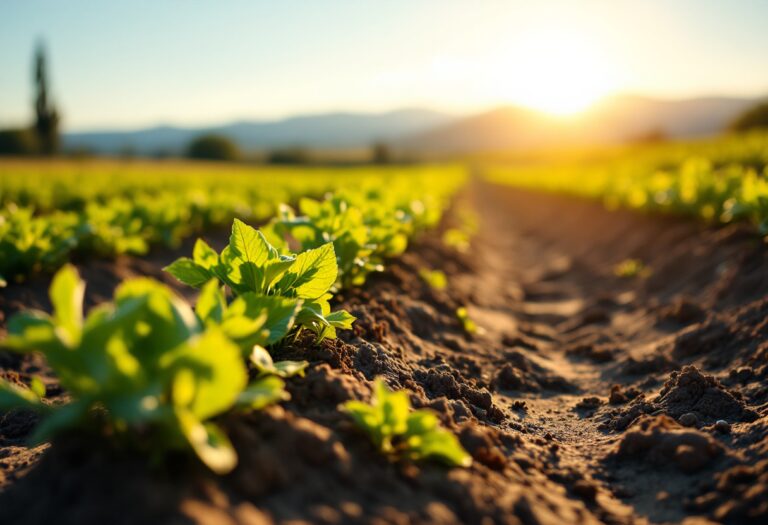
[557, 71]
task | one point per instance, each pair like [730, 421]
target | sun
[556, 71]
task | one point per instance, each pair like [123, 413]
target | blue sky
[130, 64]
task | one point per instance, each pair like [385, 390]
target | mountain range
[323, 131]
[420, 131]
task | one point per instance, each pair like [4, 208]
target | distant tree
[46, 116]
[381, 153]
[755, 117]
[288, 156]
[213, 147]
[17, 142]
[650, 136]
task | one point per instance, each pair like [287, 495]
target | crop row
[721, 180]
[51, 211]
[149, 365]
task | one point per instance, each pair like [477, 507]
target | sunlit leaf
[66, 293]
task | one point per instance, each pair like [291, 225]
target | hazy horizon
[341, 111]
[188, 64]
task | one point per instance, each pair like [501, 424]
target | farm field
[581, 360]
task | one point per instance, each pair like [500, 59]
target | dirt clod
[661, 441]
[703, 396]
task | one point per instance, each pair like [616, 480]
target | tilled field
[587, 398]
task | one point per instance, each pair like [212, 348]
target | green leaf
[341, 319]
[216, 365]
[467, 323]
[311, 313]
[164, 320]
[204, 256]
[14, 396]
[394, 407]
[274, 270]
[280, 313]
[209, 443]
[245, 331]
[420, 422]
[263, 362]
[249, 250]
[228, 270]
[394, 428]
[365, 415]
[287, 369]
[262, 393]
[211, 303]
[66, 293]
[189, 272]
[312, 273]
[31, 331]
[441, 445]
[309, 207]
[434, 278]
[38, 387]
[261, 359]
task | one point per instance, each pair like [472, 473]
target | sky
[129, 64]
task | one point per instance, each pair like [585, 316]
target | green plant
[252, 321]
[457, 239]
[413, 435]
[467, 323]
[631, 268]
[721, 179]
[434, 278]
[143, 363]
[254, 270]
[363, 231]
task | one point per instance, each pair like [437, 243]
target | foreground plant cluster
[148, 364]
[721, 180]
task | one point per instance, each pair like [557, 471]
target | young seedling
[467, 323]
[434, 278]
[412, 435]
[457, 239]
[631, 268]
[263, 280]
[143, 361]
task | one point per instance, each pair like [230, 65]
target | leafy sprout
[467, 323]
[631, 268]
[408, 434]
[457, 239]
[434, 278]
[267, 283]
[143, 361]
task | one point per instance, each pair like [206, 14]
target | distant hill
[332, 130]
[418, 131]
[616, 119]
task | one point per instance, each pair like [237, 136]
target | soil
[585, 398]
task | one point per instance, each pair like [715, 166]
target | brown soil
[588, 398]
